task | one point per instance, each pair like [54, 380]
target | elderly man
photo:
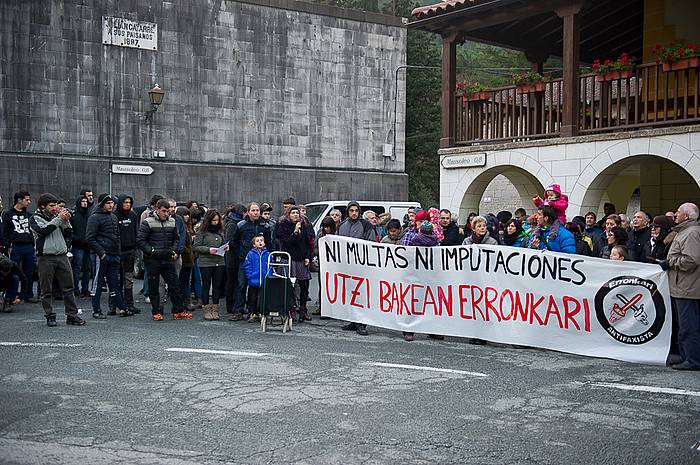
[638, 242]
[683, 265]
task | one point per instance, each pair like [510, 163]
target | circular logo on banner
[630, 309]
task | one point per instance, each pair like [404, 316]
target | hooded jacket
[103, 233]
[424, 240]
[79, 223]
[555, 238]
[254, 266]
[50, 233]
[15, 228]
[451, 234]
[128, 224]
[559, 205]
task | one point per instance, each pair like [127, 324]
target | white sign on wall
[126, 33]
[132, 169]
[468, 160]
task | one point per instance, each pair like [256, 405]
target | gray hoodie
[49, 233]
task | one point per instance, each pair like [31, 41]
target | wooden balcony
[649, 97]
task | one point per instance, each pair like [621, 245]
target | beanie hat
[102, 199]
[353, 203]
[265, 207]
[663, 221]
[504, 216]
[422, 215]
[426, 227]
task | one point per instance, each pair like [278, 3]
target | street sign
[132, 169]
[464, 161]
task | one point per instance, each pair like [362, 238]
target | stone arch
[474, 185]
[593, 183]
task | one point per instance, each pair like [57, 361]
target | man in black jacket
[449, 229]
[80, 248]
[19, 241]
[128, 229]
[638, 242]
[103, 237]
[158, 239]
[252, 225]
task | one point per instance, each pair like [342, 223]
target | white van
[317, 211]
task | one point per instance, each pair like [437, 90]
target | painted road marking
[424, 368]
[660, 390]
[216, 352]
[38, 344]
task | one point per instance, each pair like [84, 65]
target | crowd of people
[196, 257]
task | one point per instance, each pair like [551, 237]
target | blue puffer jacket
[254, 266]
[555, 238]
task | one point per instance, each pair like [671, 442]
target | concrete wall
[587, 167]
[263, 100]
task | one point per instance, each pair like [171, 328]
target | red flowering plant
[467, 88]
[675, 52]
[623, 63]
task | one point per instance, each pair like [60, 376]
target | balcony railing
[648, 97]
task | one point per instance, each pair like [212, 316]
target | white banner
[570, 303]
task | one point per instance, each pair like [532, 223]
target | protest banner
[570, 303]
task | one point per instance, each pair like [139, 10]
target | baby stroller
[277, 292]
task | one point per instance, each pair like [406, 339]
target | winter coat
[684, 261]
[559, 205]
[188, 253]
[158, 240]
[451, 234]
[103, 233]
[203, 240]
[424, 240]
[182, 233]
[50, 233]
[254, 266]
[128, 225]
[245, 231]
[555, 238]
[299, 245]
[79, 221]
[659, 247]
[231, 226]
[638, 244]
[487, 240]
[15, 228]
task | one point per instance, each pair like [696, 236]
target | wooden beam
[571, 43]
[449, 76]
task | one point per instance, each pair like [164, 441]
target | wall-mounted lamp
[155, 95]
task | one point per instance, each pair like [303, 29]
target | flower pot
[615, 75]
[477, 97]
[529, 88]
[684, 63]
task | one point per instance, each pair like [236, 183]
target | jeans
[107, 268]
[81, 269]
[689, 330]
[126, 280]
[56, 266]
[23, 256]
[10, 285]
[185, 288]
[197, 280]
[166, 269]
[242, 286]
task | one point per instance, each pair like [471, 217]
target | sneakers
[254, 318]
[126, 312]
[99, 316]
[157, 317]
[134, 310]
[51, 321]
[112, 312]
[685, 366]
[235, 317]
[147, 300]
[182, 316]
[75, 320]
[6, 307]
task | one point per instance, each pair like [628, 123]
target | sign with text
[468, 160]
[132, 169]
[127, 33]
[571, 303]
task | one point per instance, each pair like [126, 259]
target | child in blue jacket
[256, 270]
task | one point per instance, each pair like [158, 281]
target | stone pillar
[449, 76]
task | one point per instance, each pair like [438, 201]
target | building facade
[632, 139]
[263, 99]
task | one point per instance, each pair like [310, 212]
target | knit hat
[102, 199]
[353, 203]
[426, 227]
[504, 216]
[265, 207]
[663, 221]
[422, 215]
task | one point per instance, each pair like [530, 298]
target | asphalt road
[112, 392]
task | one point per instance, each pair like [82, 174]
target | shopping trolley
[276, 297]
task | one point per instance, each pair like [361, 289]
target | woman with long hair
[187, 258]
[207, 244]
[294, 239]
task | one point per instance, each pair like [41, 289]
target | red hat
[422, 215]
